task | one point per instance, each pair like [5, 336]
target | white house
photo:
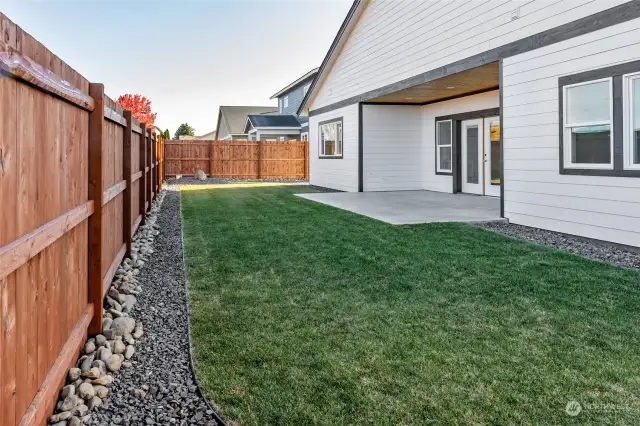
[536, 102]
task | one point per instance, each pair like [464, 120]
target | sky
[188, 56]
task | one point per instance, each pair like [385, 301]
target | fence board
[230, 159]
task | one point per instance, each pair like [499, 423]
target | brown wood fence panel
[54, 139]
[237, 159]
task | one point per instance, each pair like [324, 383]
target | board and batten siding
[536, 194]
[336, 173]
[392, 145]
[394, 40]
[430, 180]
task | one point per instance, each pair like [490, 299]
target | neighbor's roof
[311, 74]
[235, 117]
[343, 33]
[262, 121]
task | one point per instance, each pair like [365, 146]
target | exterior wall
[222, 131]
[395, 40]
[606, 208]
[240, 137]
[444, 183]
[392, 147]
[340, 174]
[296, 95]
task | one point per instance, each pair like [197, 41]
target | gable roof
[235, 117]
[273, 121]
[308, 76]
[343, 33]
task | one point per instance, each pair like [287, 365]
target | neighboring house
[537, 103]
[206, 137]
[232, 120]
[290, 98]
[272, 128]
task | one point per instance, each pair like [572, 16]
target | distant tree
[166, 135]
[184, 130]
[140, 107]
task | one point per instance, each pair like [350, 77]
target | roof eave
[311, 74]
[355, 11]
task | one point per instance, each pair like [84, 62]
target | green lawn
[304, 314]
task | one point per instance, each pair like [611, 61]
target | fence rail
[76, 176]
[238, 159]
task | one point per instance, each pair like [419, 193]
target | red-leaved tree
[140, 107]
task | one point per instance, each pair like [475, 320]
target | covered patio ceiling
[468, 82]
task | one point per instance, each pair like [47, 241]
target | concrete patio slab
[413, 207]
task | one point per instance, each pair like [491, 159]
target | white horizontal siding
[395, 40]
[340, 174]
[444, 183]
[605, 208]
[392, 142]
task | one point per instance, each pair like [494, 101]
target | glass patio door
[472, 153]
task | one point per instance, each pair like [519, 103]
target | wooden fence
[77, 174]
[238, 159]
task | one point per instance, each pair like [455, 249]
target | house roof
[308, 76]
[235, 117]
[343, 33]
[271, 121]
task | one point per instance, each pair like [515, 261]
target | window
[632, 121]
[286, 101]
[330, 138]
[305, 89]
[304, 137]
[282, 139]
[588, 133]
[444, 141]
[280, 102]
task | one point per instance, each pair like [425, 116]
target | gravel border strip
[589, 249]
[192, 364]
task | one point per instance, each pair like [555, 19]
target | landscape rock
[118, 347]
[89, 347]
[128, 353]
[86, 392]
[94, 402]
[66, 391]
[200, 175]
[114, 363]
[74, 374]
[74, 421]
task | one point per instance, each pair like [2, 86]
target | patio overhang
[476, 80]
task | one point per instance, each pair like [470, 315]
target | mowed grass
[304, 314]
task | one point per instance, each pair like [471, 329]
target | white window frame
[305, 89]
[567, 140]
[331, 122]
[282, 139]
[304, 136]
[286, 102]
[628, 111]
[280, 103]
[450, 145]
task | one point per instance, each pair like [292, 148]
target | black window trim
[616, 73]
[331, 157]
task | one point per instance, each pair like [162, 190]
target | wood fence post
[148, 172]
[96, 189]
[152, 168]
[259, 159]
[306, 160]
[126, 171]
[143, 166]
[211, 159]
